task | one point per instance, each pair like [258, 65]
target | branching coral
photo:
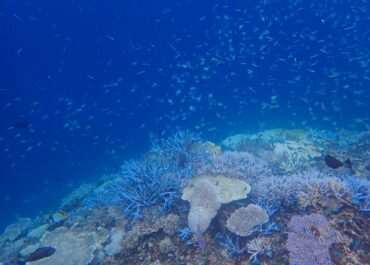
[304, 189]
[233, 246]
[182, 152]
[270, 205]
[144, 183]
[184, 233]
[156, 179]
[283, 189]
[257, 247]
[240, 165]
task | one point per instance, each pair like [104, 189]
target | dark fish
[334, 163]
[40, 253]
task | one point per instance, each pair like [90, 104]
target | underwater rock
[170, 224]
[157, 262]
[212, 148]
[38, 231]
[9, 251]
[130, 241]
[166, 245]
[114, 247]
[233, 141]
[243, 221]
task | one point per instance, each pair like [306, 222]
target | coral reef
[9, 251]
[16, 229]
[310, 238]
[74, 199]
[269, 193]
[206, 194]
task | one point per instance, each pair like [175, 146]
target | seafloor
[269, 197]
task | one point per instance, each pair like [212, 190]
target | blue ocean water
[85, 85]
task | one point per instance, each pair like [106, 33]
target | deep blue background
[96, 80]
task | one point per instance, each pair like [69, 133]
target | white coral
[204, 206]
[257, 247]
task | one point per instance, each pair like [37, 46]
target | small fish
[334, 163]
[40, 253]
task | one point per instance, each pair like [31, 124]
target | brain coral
[73, 247]
[244, 220]
[309, 240]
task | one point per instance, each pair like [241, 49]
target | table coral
[73, 247]
[244, 220]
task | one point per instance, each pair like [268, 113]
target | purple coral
[309, 240]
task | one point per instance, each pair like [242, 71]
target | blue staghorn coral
[232, 246]
[183, 152]
[157, 179]
[144, 183]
